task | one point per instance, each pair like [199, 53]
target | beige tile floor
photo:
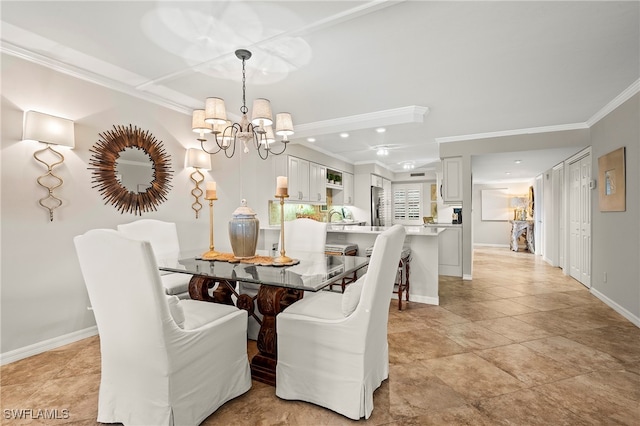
[520, 344]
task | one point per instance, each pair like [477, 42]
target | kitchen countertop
[425, 230]
[410, 230]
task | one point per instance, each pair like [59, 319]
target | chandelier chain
[244, 109]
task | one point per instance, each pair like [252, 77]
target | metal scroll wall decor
[105, 154]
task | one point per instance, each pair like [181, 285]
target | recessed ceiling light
[518, 161]
[311, 139]
[507, 173]
[408, 166]
[381, 130]
[382, 151]
[344, 135]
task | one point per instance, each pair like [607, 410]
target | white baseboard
[490, 245]
[467, 277]
[46, 345]
[619, 309]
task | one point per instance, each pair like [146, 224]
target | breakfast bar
[423, 242]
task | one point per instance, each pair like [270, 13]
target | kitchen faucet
[331, 213]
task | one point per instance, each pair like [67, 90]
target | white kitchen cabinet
[377, 181]
[451, 187]
[317, 183]
[343, 194]
[298, 173]
[347, 191]
[450, 252]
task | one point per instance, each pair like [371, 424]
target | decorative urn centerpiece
[243, 231]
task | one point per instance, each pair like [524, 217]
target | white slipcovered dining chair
[163, 237]
[164, 361]
[300, 235]
[332, 348]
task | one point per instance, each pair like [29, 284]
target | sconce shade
[284, 124]
[198, 124]
[261, 111]
[48, 129]
[197, 158]
[215, 111]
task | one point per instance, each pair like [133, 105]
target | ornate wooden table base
[270, 300]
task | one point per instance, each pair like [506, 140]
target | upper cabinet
[298, 173]
[347, 191]
[317, 183]
[341, 184]
[377, 181]
[451, 186]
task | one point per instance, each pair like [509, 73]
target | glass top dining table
[313, 272]
[279, 287]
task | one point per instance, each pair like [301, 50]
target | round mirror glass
[134, 170]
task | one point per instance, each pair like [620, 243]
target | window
[407, 204]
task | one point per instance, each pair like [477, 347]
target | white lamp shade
[271, 138]
[198, 158]
[198, 124]
[284, 124]
[215, 111]
[48, 129]
[261, 111]
[219, 127]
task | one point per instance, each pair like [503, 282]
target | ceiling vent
[417, 174]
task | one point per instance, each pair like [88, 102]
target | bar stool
[344, 249]
[402, 278]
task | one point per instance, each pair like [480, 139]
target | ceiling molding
[615, 103]
[532, 130]
[611, 106]
[402, 115]
[313, 147]
[83, 74]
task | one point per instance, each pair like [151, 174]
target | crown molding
[388, 117]
[611, 106]
[615, 103]
[83, 74]
[516, 132]
[313, 147]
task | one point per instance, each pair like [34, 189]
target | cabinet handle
[441, 190]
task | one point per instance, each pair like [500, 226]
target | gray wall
[493, 232]
[616, 235]
[43, 297]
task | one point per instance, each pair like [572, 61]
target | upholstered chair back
[163, 237]
[304, 235]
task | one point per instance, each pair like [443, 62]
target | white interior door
[558, 215]
[538, 207]
[580, 220]
[574, 220]
[585, 221]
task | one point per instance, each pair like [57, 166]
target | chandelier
[258, 131]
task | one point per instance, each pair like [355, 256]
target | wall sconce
[49, 130]
[198, 159]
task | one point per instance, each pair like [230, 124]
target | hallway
[519, 344]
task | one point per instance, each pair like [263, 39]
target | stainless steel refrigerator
[380, 206]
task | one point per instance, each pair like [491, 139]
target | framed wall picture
[612, 185]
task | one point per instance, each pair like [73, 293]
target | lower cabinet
[450, 252]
